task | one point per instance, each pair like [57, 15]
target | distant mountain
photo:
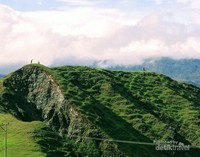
[186, 70]
[79, 111]
[1, 75]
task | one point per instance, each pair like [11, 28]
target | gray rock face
[40, 98]
[36, 96]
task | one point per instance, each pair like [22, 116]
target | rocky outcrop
[38, 97]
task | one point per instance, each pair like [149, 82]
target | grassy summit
[128, 106]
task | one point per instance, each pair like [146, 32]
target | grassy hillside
[20, 135]
[153, 105]
[128, 106]
[28, 139]
[20, 138]
[138, 97]
[185, 70]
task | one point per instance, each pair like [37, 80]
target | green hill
[71, 110]
[185, 70]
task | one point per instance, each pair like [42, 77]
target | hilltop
[63, 106]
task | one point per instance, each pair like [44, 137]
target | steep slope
[31, 94]
[25, 138]
[80, 102]
[20, 134]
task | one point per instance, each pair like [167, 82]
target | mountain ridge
[81, 101]
[184, 70]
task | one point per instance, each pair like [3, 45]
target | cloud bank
[83, 35]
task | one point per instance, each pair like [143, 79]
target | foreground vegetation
[20, 137]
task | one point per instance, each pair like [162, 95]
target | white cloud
[48, 35]
[158, 1]
[77, 2]
[39, 3]
[183, 1]
[84, 34]
[81, 2]
[192, 45]
[193, 3]
[82, 21]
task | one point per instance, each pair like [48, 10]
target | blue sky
[122, 32]
[32, 5]
[125, 5]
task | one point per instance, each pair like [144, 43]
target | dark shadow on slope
[145, 106]
[17, 105]
[52, 144]
[179, 89]
[148, 107]
[117, 128]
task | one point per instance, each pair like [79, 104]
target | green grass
[133, 106]
[140, 93]
[21, 141]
